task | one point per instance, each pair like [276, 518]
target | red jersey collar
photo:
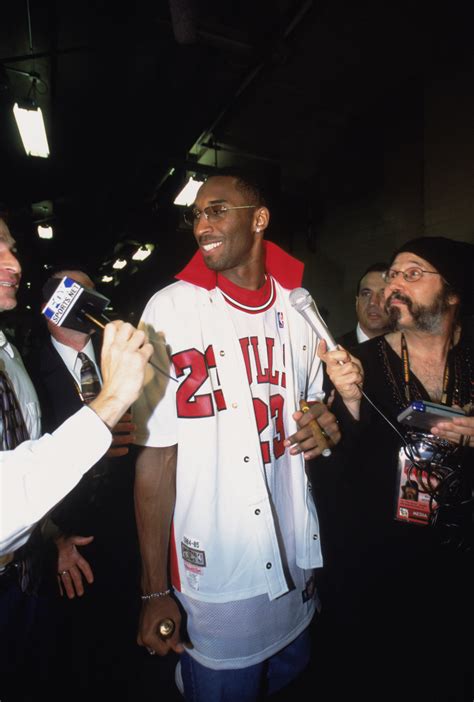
[286, 269]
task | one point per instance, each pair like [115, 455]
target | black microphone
[302, 301]
[72, 306]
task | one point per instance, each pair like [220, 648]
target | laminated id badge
[413, 503]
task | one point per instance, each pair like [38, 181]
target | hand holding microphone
[73, 306]
[345, 371]
[124, 359]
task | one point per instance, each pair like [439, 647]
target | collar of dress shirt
[361, 335]
[70, 359]
[5, 345]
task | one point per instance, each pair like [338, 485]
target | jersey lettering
[188, 402]
[202, 367]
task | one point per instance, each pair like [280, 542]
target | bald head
[71, 337]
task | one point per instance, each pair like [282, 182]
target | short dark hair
[247, 182]
[378, 267]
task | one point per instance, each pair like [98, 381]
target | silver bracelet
[152, 595]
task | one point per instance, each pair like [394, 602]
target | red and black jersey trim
[249, 301]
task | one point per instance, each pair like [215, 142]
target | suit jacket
[349, 339]
[59, 399]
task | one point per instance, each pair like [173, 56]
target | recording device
[424, 415]
[302, 301]
[72, 306]
[437, 465]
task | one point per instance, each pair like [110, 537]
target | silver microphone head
[300, 299]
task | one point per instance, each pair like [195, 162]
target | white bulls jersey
[245, 526]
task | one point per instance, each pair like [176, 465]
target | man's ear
[453, 299]
[261, 219]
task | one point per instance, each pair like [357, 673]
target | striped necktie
[90, 383]
[13, 429]
[13, 432]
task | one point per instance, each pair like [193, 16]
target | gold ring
[63, 572]
[166, 628]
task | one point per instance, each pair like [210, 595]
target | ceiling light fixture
[45, 232]
[28, 114]
[29, 119]
[143, 252]
[107, 278]
[119, 263]
[188, 194]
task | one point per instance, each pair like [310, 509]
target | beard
[426, 318]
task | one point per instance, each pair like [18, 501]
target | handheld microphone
[302, 301]
[72, 306]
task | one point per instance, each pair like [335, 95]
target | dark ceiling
[137, 96]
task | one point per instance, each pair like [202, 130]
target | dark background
[336, 104]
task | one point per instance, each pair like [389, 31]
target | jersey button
[246, 459]
[268, 566]
[315, 537]
[257, 512]
[235, 405]
[221, 353]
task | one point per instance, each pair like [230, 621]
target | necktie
[13, 428]
[13, 432]
[90, 383]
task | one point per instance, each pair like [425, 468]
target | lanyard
[406, 374]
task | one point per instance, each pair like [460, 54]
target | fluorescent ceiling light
[143, 252]
[119, 263]
[188, 193]
[45, 232]
[107, 278]
[32, 131]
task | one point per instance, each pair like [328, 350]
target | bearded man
[403, 554]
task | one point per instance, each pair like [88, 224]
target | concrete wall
[422, 183]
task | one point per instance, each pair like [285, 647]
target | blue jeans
[250, 684]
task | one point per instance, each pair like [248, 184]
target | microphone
[72, 306]
[302, 301]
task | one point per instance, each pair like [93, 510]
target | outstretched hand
[72, 566]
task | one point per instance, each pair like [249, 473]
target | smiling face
[231, 245]
[370, 305]
[10, 270]
[421, 305]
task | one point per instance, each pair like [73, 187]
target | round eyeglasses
[213, 213]
[411, 275]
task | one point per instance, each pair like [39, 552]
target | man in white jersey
[228, 528]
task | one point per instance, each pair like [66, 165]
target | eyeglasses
[213, 213]
[411, 275]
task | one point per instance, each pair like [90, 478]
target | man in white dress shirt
[36, 474]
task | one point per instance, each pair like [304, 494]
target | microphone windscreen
[300, 299]
[66, 302]
[303, 303]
